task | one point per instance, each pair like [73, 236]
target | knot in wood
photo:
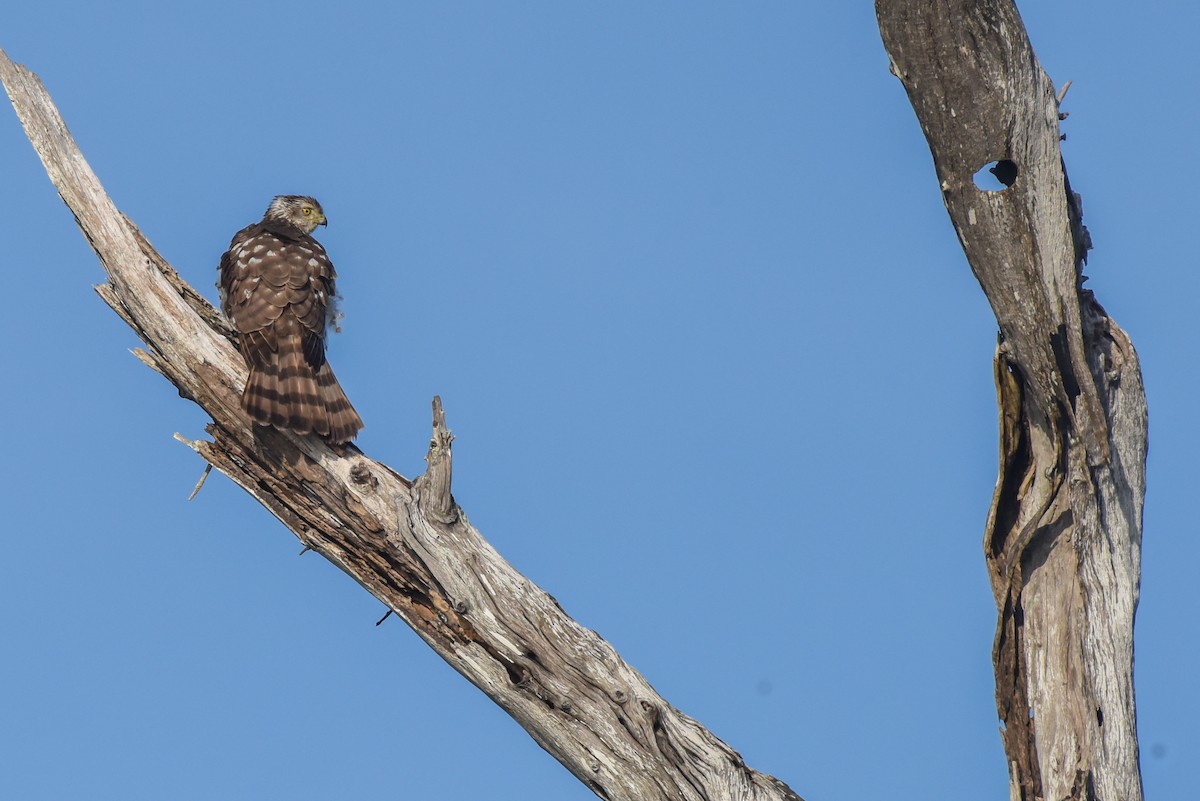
[362, 475]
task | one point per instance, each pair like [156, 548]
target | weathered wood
[1063, 536]
[408, 543]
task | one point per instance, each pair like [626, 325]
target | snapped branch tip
[200, 483]
[1063, 92]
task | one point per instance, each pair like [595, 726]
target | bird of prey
[277, 287]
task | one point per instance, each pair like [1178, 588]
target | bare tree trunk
[406, 542]
[1063, 537]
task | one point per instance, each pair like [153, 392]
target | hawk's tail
[285, 393]
[344, 422]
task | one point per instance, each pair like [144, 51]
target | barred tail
[344, 422]
[283, 392]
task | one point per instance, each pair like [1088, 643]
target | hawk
[277, 287]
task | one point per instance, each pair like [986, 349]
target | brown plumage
[277, 286]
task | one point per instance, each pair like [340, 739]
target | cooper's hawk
[277, 286]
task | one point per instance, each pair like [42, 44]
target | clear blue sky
[720, 377]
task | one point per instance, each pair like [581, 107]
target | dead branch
[408, 543]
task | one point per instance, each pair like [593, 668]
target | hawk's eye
[307, 210]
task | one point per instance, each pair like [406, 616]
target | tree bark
[1063, 536]
[407, 542]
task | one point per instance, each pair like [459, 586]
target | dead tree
[407, 542]
[1063, 536]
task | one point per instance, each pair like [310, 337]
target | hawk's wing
[267, 273]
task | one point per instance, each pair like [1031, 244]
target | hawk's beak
[324, 221]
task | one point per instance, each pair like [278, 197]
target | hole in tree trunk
[996, 176]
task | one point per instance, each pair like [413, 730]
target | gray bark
[407, 542]
[1063, 536]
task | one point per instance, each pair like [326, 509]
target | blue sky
[720, 377]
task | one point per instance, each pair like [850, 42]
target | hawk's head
[300, 210]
